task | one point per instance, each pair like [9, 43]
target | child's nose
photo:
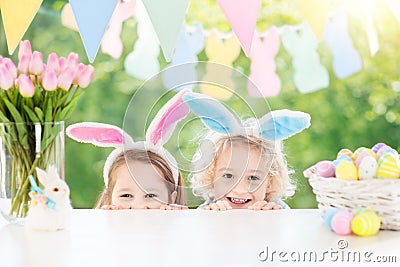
[242, 187]
[139, 203]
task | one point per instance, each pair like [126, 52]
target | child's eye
[127, 196]
[254, 178]
[227, 175]
[150, 195]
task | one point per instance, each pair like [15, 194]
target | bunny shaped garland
[158, 133]
[50, 208]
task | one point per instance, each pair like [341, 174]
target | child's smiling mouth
[238, 201]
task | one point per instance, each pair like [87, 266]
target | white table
[190, 238]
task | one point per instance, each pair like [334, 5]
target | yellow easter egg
[346, 170]
[388, 167]
[366, 224]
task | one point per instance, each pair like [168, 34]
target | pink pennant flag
[242, 16]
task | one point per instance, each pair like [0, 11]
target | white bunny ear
[163, 124]
[98, 134]
[213, 113]
[42, 176]
[282, 124]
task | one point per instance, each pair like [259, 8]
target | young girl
[240, 164]
[138, 175]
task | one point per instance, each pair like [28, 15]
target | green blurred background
[360, 110]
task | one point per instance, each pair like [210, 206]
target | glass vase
[23, 147]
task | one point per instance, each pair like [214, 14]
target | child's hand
[112, 207]
[219, 205]
[173, 207]
[264, 205]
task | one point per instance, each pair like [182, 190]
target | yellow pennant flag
[17, 16]
[316, 13]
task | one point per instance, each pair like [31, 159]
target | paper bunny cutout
[224, 53]
[264, 82]
[274, 126]
[50, 208]
[309, 74]
[189, 44]
[158, 133]
[346, 59]
[142, 62]
[112, 43]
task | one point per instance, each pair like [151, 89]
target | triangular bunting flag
[17, 16]
[315, 12]
[167, 18]
[242, 16]
[92, 17]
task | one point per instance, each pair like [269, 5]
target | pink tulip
[73, 60]
[6, 79]
[1, 59]
[49, 80]
[10, 66]
[23, 64]
[24, 49]
[81, 67]
[52, 63]
[85, 76]
[26, 87]
[62, 61]
[36, 64]
[65, 79]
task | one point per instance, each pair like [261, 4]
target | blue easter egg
[328, 215]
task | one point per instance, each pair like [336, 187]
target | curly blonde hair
[279, 183]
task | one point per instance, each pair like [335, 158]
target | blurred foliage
[360, 110]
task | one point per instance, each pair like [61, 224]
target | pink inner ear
[176, 112]
[99, 135]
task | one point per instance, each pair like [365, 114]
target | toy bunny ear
[163, 124]
[213, 113]
[98, 134]
[282, 124]
[42, 176]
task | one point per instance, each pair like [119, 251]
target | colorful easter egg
[345, 151]
[388, 167]
[328, 215]
[325, 168]
[358, 151]
[377, 146]
[366, 223]
[367, 168]
[341, 222]
[340, 159]
[346, 171]
[382, 149]
[390, 151]
[360, 157]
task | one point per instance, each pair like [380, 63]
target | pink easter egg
[325, 168]
[358, 151]
[366, 152]
[341, 222]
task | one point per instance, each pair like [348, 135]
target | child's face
[147, 189]
[240, 176]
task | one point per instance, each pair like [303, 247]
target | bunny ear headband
[158, 133]
[274, 126]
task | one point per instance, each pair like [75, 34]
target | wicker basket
[382, 195]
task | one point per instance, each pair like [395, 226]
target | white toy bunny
[50, 208]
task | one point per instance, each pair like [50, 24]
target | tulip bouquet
[34, 96]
